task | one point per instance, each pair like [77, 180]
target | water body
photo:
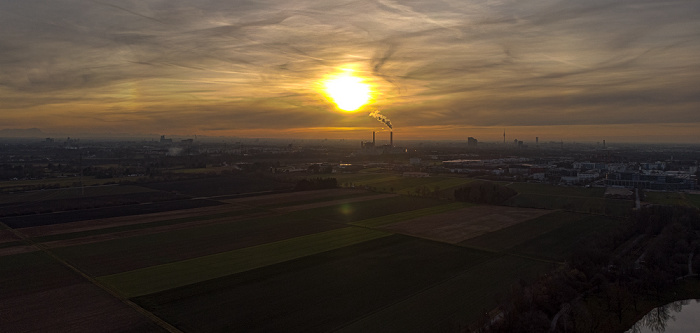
[676, 317]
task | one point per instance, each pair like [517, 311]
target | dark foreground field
[329, 260]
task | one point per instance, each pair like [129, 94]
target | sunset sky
[572, 70]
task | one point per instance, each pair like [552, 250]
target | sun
[347, 91]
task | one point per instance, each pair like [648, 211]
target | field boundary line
[157, 320]
[152, 279]
[418, 292]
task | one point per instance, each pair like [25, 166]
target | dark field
[552, 236]
[306, 261]
[95, 213]
[575, 199]
[41, 295]
[316, 293]
[220, 186]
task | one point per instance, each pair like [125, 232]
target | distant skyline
[442, 70]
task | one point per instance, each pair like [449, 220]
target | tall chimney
[391, 139]
[373, 133]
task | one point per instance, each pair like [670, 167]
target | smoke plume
[376, 115]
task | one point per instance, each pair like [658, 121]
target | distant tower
[373, 137]
[391, 139]
[537, 140]
[603, 144]
[504, 136]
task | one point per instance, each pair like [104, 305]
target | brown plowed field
[459, 225]
[74, 308]
[146, 231]
[7, 236]
[8, 251]
[95, 224]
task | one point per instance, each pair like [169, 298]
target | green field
[396, 183]
[320, 292]
[672, 198]
[398, 217]
[457, 301]
[576, 199]
[167, 276]
[550, 237]
[561, 191]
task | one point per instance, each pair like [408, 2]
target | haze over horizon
[603, 69]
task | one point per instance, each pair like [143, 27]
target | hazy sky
[586, 70]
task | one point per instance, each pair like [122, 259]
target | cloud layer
[227, 66]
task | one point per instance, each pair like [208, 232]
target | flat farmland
[459, 225]
[298, 198]
[125, 254]
[96, 213]
[40, 295]
[559, 243]
[672, 198]
[451, 305]
[315, 293]
[403, 185]
[357, 211]
[324, 260]
[71, 193]
[219, 186]
[176, 274]
[550, 237]
[580, 200]
[109, 223]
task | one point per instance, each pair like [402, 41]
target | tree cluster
[484, 193]
[601, 286]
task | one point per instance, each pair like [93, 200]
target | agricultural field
[40, 294]
[396, 183]
[552, 236]
[672, 198]
[459, 225]
[219, 186]
[341, 259]
[70, 193]
[576, 199]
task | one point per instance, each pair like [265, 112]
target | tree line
[602, 287]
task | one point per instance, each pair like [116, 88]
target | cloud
[250, 64]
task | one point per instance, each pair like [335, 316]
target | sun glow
[348, 92]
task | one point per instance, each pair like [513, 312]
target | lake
[676, 317]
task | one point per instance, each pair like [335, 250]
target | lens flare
[347, 91]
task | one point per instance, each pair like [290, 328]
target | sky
[560, 70]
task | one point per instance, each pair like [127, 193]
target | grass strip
[398, 217]
[172, 275]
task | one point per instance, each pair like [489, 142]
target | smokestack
[391, 139]
[373, 137]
